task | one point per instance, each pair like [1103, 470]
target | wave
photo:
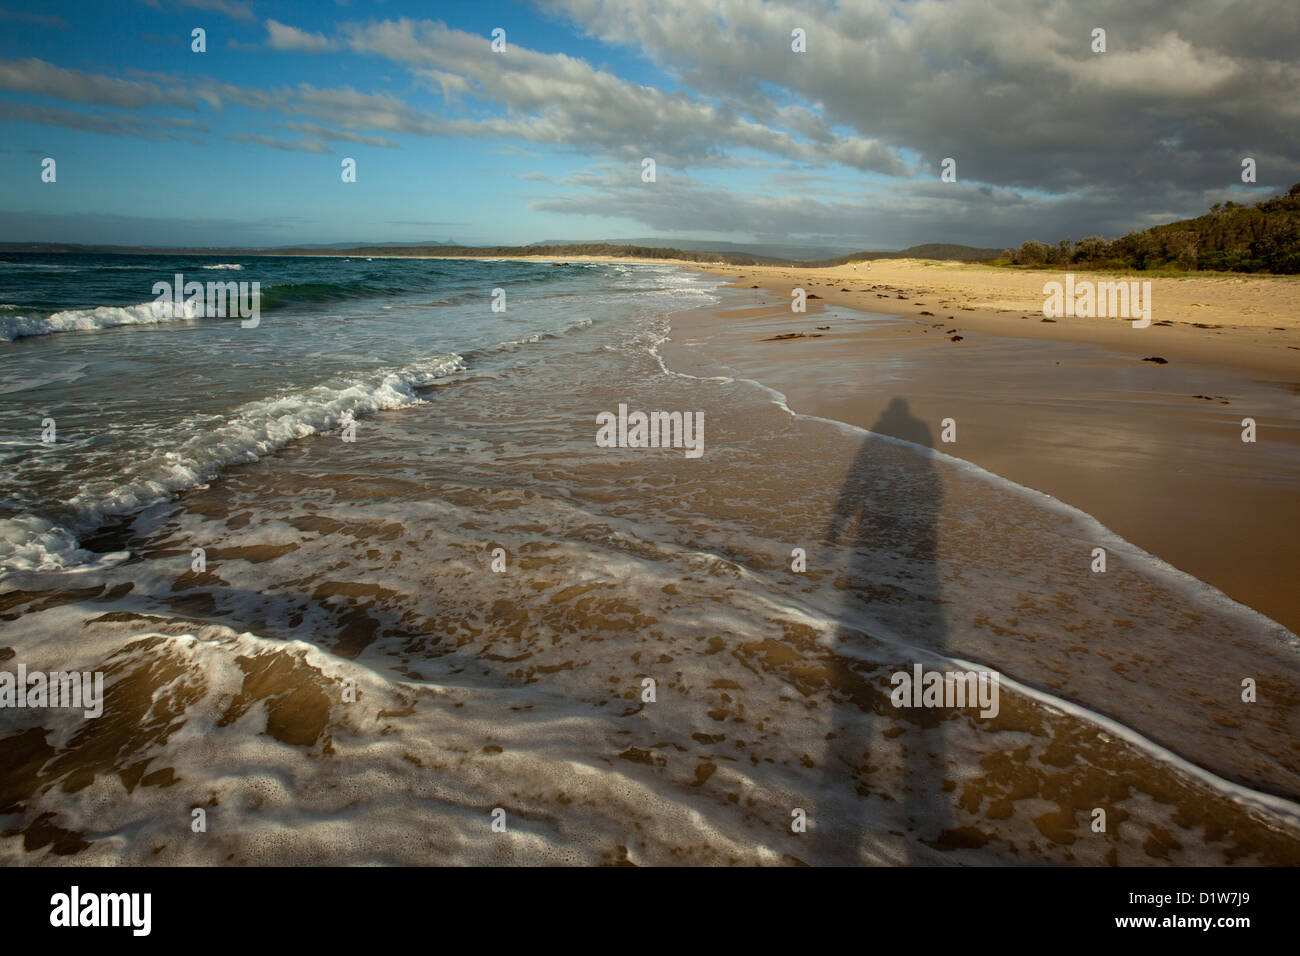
[101, 317]
[152, 313]
[293, 293]
[29, 543]
[272, 297]
[73, 267]
[253, 431]
[533, 339]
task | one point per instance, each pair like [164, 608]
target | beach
[581, 434]
[1069, 407]
[1146, 456]
[371, 589]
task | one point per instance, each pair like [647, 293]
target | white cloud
[561, 100]
[37, 76]
[282, 37]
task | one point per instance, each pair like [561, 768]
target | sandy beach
[639, 655]
[1073, 408]
[728, 435]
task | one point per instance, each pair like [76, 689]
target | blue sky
[442, 188]
[840, 145]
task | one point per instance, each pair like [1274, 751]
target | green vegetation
[945, 251]
[1263, 237]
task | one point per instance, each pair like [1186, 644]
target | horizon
[343, 248]
[753, 143]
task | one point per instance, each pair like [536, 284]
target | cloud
[880, 217]
[282, 37]
[321, 132]
[122, 125]
[235, 9]
[560, 100]
[1013, 91]
[294, 146]
[36, 76]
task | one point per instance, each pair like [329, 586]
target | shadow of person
[884, 523]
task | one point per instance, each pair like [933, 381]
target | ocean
[365, 588]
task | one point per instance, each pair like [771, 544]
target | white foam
[29, 543]
[258, 428]
[539, 336]
[100, 317]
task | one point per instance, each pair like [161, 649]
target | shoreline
[1069, 409]
[1261, 332]
[628, 564]
[1257, 313]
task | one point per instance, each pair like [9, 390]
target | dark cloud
[891, 216]
[1158, 124]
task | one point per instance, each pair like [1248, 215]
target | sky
[842, 144]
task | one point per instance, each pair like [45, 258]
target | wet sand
[1072, 408]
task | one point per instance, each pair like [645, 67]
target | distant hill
[553, 251]
[73, 248]
[439, 250]
[70, 247]
[931, 250]
[1262, 237]
[706, 253]
[373, 245]
[785, 251]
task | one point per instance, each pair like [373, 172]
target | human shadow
[885, 519]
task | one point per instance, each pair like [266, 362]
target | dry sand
[1245, 321]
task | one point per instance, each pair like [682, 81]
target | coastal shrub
[1263, 237]
[1032, 253]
